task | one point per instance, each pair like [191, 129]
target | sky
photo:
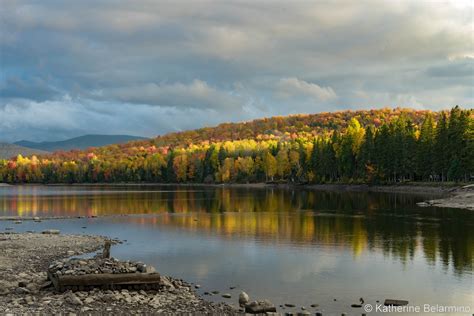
[144, 67]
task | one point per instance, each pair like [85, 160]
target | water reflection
[359, 222]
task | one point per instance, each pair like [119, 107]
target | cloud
[197, 94]
[223, 61]
[289, 87]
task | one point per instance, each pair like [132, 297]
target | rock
[289, 305]
[215, 292]
[70, 253]
[393, 302]
[197, 286]
[150, 269]
[51, 232]
[226, 295]
[73, 299]
[141, 267]
[243, 298]
[22, 290]
[88, 300]
[166, 283]
[18, 222]
[258, 307]
[423, 204]
[46, 284]
[314, 305]
[232, 287]
[303, 313]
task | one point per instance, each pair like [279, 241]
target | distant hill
[375, 146]
[81, 142]
[11, 150]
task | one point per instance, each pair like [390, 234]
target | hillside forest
[376, 146]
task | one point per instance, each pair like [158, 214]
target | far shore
[408, 187]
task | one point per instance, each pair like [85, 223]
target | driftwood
[108, 280]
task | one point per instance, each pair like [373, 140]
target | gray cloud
[68, 67]
[197, 94]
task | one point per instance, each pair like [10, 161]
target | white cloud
[289, 87]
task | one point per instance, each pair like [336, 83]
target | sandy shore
[458, 198]
[24, 288]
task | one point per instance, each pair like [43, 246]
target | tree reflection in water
[391, 223]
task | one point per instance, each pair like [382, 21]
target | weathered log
[62, 282]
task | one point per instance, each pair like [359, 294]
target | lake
[294, 246]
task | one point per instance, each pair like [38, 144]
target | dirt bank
[24, 288]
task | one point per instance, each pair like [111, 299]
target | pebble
[226, 295]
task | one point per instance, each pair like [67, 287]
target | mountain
[11, 150]
[81, 142]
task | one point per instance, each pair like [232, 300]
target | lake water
[288, 245]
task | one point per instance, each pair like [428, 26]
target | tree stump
[106, 252]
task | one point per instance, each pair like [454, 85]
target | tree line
[436, 147]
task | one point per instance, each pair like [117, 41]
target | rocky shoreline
[458, 198]
[25, 288]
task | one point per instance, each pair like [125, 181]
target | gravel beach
[24, 288]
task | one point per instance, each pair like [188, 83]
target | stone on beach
[395, 302]
[243, 298]
[51, 232]
[258, 307]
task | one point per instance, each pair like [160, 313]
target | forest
[376, 146]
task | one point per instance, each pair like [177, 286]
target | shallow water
[287, 245]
